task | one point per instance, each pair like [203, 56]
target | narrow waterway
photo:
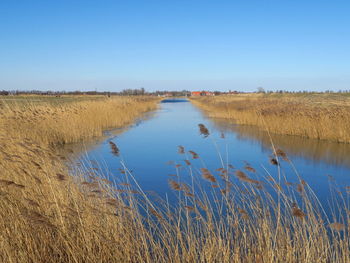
[150, 149]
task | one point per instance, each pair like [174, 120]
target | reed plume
[194, 155]
[208, 175]
[114, 148]
[337, 226]
[174, 185]
[243, 177]
[181, 149]
[203, 130]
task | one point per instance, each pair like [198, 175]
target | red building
[202, 93]
[196, 93]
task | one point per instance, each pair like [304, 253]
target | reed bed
[42, 206]
[50, 213]
[71, 120]
[315, 116]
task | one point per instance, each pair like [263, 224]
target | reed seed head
[203, 130]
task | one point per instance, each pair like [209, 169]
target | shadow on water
[316, 150]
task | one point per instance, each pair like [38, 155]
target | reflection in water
[147, 148]
[173, 100]
[317, 150]
[78, 149]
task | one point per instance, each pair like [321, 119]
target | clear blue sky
[215, 45]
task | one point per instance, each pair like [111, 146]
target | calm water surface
[147, 147]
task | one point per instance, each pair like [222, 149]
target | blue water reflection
[148, 147]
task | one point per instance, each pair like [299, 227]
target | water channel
[150, 150]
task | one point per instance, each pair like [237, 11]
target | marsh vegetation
[318, 116]
[52, 121]
[50, 213]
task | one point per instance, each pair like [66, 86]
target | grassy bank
[68, 119]
[46, 215]
[319, 116]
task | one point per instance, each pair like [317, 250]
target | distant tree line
[4, 92]
[142, 91]
[125, 92]
[305, 91]
[262, 90]
[52, 93]
[133, 92]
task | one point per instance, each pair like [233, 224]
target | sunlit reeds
[75, 121]
[311, 116]
[49, 213]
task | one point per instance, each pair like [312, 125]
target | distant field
[324, 99]
[311, 115]
[319, 99]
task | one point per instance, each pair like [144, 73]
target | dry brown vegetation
[49, 122]
[47, 215]
[318, 116]
[320, 150]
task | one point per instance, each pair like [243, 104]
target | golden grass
[315, 116]
[45, 215]
[321, 150]
[59, 123]
[48, 216]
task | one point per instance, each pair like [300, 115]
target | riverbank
[317, 116]
[46, 215]
[66, 120]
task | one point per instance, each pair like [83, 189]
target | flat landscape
[57, 208]
[174, 131]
